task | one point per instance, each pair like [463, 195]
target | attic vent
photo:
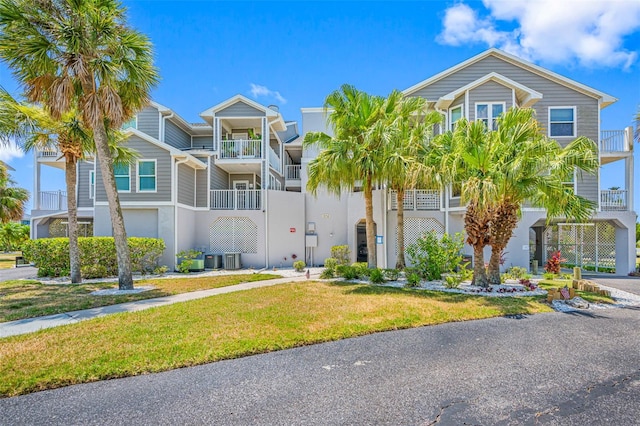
[275, 108]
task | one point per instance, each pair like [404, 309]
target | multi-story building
[237, 181]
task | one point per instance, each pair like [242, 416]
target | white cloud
[9, 151]
[590, 32]
[257, 91]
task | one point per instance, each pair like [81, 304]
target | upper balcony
[51, 201]
[292, 175]
[615, 144]
[50, 157]
[417, 199]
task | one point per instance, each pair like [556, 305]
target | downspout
[164, 125]
[445, 189]
[174, 199]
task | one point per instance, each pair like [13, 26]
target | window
[133, 123]
[92, 184]
[488, 112]
[455, 114]
[570, 181]
[147, 175]
[122, 174]
[562, 121]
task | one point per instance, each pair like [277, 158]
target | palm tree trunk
[400, 262]
[477, 227]
[502, 228]
[105, 162]
[371, 237]
[72, 211]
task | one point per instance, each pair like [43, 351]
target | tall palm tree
[353, 155]
[406, 134]
[81, 52]
[12, 198]
[533, 168]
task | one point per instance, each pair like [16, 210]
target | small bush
[347, 272]
[566, 276]
[548, 276]
[391, 274]
[413, 280]
[362, 269]
[299, 265]
[185, 260]
[516, 272]
[553, 263]
[432, 256]
[330, 263]
[452, 280]
[376, 276]
[327, 274]
[342, 254]
[466, 272]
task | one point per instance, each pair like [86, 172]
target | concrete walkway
[31, 325]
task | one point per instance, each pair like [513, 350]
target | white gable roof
[526, 95]
[605, 99]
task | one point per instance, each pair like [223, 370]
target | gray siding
[587, 186]
[186, 185]
[201, 188]
[236, 177]
[554, 94]
[146, 151]
[202, 141]
[83, 184]
[149, 122]
[489, 92]
[240, 109]
[219, 178]
[176, 137]
[290, 133]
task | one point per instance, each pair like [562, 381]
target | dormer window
[488, 113]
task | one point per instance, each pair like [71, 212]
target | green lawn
[230, 326]
[8, 260]
[26, 299]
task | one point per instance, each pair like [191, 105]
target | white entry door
[242, 193]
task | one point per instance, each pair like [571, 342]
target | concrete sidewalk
[31, 325]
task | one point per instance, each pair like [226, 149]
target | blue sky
[294, 53]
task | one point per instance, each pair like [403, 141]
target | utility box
[311, 240]
[232, 261]
[212, 261]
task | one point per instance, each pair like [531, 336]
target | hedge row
[97, 256]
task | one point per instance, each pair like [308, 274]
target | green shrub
[97, 255]
[362, 269]
[342, 254]
[347, 272]
[413, 280]
[548, 275]
[376, 276]
[432, 256]
[185, 260]
[465, 271]
[452, 280]
[299, 265]
[391, 274]
[327, 273]
[330, 263]
[516, 272]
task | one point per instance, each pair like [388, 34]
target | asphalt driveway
[553, 368]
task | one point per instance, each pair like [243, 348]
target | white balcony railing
[292, 172]
[236, 199]
[52, 200]
[616, 140]
[416, 199]
[48, 153]
[613, 200]
[240, 149]
[274, 161]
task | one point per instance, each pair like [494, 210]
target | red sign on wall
[292, 229]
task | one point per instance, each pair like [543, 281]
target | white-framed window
[455, 114]
[92, 184]
[132, 123]
[147, 174]
[488, 112]
[562, 122]
[122, 173]
[570, 182]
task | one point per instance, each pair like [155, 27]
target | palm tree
[353, 155]
[72, 52]
[533, 168]
[12, 198]
[406, 134]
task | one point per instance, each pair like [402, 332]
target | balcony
[52, 200]
[613, 200]
[240, 149]
[236, 199]
[615, 144]
[274, 161]
[292, 173]
[416, 199]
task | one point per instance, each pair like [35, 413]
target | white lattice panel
[585, 245]
[415, 227]
[233, 234]
[57, 229]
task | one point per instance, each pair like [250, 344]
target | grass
[8, 260]
[230, 326]
[586, 295]
[28, 298]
